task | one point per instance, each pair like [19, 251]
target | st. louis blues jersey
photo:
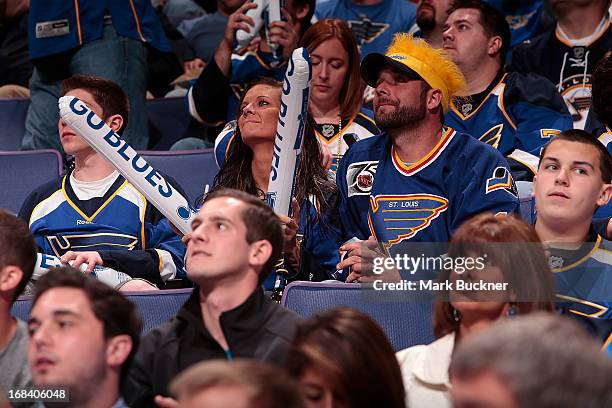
[567, 63]
[373, 26]
[130, 234]
[517, 116]
[427, 200]
[523, 16]
[584, 283]
[337, 139]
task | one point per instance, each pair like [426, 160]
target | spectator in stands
[238, 384]
[94, 207]
[213, 97]
[602, 109]
[335, 94]
[602, 100]
[430, 17]
[247, 168]
[83, 336]
[95, 38]
[416, 163]
[15, 67]
[342, 358]
[202, 34]
[17, 257]
[527, 362]
[574, 178]
[567, 54]
[514, 113]
[373, 22]
[235, 242]
[514, 255]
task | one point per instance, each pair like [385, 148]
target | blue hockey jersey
[517, 117]
[423, 202]
[373, 26]
[584, 284]
[130, 234]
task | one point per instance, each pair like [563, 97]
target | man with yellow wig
[417, 181]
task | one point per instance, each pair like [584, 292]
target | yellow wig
[433, 65]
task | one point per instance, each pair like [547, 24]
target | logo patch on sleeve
[501, 180]
[360, 177]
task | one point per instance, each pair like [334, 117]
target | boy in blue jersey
[515, 113]
[418, 181]
[93, 215]
[574, 179]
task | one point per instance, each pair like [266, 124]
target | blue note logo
[403, 216]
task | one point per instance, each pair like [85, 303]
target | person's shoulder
[536, 43]
[365, 120]
[463, 145]
[369, 145]
[528, 87]
[280, 322]
[325, 8]
[603, 254]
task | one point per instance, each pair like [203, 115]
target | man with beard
[431, 15]
[417, 181]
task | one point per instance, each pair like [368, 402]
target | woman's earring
[456, 315]
[512, 311]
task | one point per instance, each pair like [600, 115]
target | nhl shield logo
[578, 52]
[466, 108]
[555, 262]
[328, 130]
[364, 181]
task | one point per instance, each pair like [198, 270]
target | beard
[406, 116]
[426, 18]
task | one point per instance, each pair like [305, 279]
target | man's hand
[238, 20]
[195, 63]
[360, 258]
[609, 230]
[90, 258]
[166, 402]
[284, 33]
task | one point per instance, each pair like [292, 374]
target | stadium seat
[526, 202]
[194, 170]
[22, 172]
[12, 122]
[169, 121]
[407, 323]
[155, 307]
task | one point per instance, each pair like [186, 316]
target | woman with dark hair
[342, 358]
[335, 93]
[247, 168]
[505, 251]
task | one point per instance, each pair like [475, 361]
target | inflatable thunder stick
[257, 14]
[289, 132]
[109, 276]
[130, 164]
